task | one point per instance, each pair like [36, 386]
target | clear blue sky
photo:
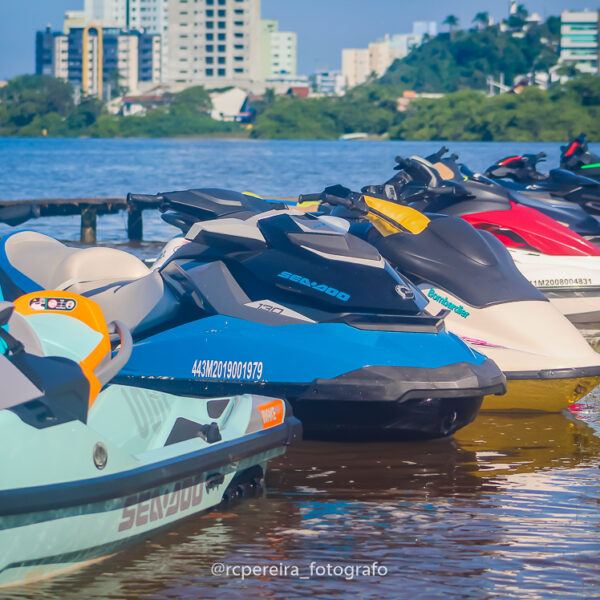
[324, 27]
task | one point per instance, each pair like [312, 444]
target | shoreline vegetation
[455, 65]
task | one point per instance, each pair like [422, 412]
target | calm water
[509, 508]
[63, 168]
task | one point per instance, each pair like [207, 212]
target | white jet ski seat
[119, 282]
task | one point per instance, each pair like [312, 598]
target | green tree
[481, 19]
[452, 22]
[196, 98]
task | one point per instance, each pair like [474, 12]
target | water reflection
[509, 507]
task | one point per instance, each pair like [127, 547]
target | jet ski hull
[547, 362]
[539, 392]
[571, 283]
[367, 372]
[74, 493]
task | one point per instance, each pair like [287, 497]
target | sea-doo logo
[459, 310]
[319, 287]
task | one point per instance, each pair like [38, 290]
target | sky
[324, 27]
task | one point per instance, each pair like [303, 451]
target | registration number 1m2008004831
[228, 369]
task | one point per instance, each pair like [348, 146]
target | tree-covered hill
[442, 64]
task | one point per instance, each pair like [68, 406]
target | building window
[221, 60]
[238, 58]
[221, 48]
[238, 23]
[239, 11]
[221, 72]
[210, 48]
[221, 24]
[210, 72]
[221, 37]
[221, 14]
[210, 36]
[210, 60]
[209, 25]
[238, 70]
[210, 13]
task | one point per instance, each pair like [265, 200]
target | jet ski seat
[119, 282]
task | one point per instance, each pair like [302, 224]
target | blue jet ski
[279, 303]
[87, 466]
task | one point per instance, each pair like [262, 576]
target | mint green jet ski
[87, 467]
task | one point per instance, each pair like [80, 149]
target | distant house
[231, 105]
[298, 91]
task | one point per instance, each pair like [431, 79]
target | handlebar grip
[310, 197]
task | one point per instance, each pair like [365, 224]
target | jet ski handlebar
[337, 195]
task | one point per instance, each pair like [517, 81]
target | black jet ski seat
[120, 282]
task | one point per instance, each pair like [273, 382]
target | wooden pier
[15, 212]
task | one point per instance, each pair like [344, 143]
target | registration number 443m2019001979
[228, 369]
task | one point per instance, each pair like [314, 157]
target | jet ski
[560, 263]
[547, 363]
[577, 157]
[560, 189]
[279, 303]
[88, 466]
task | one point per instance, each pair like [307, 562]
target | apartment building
[579, 39]
[279, 50]
[95, 58]
[358, 64]
[214, 43]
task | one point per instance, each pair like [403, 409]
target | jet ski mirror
[437, 156]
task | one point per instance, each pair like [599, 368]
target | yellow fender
[408, 218]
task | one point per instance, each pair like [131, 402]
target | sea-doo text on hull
[85, 472]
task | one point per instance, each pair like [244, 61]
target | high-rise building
[355, 66]
[106, 12]
[97, 59]
[51, 54]
[148, 15]
[279, 54]
[579, 39]
[151, 16]
[360, 63]
[214, 42]
[425, 28]
[73, 18]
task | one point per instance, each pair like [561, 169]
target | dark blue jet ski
[560, 189]
[577, 158]
[280, 304]
[566, 211]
